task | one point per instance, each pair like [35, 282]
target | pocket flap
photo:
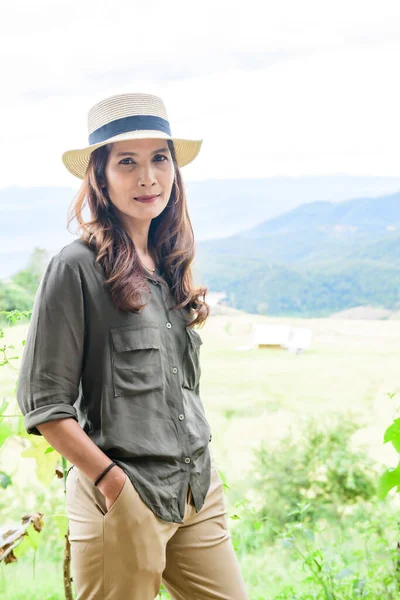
[128, 338]
[194, 337]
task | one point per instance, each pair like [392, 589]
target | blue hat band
[132, 123]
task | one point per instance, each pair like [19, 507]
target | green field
[254, 395]
[251, 397]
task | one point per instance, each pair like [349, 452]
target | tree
[29, 278]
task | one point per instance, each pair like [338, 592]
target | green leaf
[388, 480]
[234, 517]
[34, 537]
[3, 406]
[23, 546]
[5, 432]
[49, 449]
[31, 539]
[5, 480]
[392, 434]
[223, 479]
[45, 463]
[62, 523]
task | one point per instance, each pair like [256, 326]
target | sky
[272, 87]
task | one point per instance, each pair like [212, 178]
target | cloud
[273, 88]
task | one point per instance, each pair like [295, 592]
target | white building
[293, 339]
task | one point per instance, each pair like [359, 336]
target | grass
[250, 396]
[19, 582]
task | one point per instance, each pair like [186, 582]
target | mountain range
[218, 208]
[314, 260]
[275, 253]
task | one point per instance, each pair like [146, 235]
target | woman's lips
[146, 199]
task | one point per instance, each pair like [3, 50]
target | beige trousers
[125, 553]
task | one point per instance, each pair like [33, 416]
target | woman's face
[136, 168]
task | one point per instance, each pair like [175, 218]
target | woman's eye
[164, 158]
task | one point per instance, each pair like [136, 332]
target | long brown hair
[171, 240]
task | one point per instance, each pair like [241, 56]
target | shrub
[319, 467]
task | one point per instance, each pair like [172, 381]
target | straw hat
[128, 117]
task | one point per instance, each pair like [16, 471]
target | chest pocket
[191, 360]
[136, 360]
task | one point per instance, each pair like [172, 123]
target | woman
[110, 372]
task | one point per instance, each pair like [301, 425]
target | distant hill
[223, 207]
[219, 208]
[284, 291]
[315, 260]
[386, 249]
[317, 231]
[360, 215]
[368, 313]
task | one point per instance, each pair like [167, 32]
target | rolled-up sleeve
[51, 364]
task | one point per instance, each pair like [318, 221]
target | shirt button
[181, 417]
[169, 325]
[187, 460]
[174, 370]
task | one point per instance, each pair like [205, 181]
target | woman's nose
[146, 175]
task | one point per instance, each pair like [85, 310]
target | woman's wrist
[110, 479]
[104, 473]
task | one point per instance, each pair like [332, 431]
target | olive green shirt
[130, 380]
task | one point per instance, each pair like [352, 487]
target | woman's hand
[111, 485]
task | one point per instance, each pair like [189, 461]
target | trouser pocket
[90, 499]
